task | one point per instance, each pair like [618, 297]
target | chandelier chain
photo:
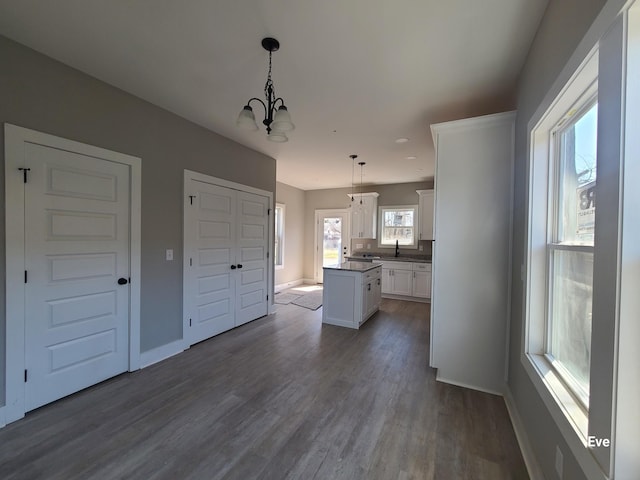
[269, 89]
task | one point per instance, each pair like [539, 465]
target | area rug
[311, 300]
[285, 298]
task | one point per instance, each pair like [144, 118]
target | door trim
[324, 212]
[190, 175]
[15, 137]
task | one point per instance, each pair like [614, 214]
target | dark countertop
[355, 266]
[401, 258]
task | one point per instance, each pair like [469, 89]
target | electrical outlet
[169, 254]
[358, 245]
[559, 462]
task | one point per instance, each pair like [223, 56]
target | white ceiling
[355, 74]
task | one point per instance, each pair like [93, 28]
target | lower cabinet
[421, 280]
[406, 279]
[350, 297]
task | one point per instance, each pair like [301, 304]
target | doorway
[332, 239]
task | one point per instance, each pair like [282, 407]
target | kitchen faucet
[397, 249]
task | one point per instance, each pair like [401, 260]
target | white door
[332, 239]
[210, 216]
[226, 258]
[251, 257]
[77, 214]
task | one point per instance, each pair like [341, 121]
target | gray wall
[39, 93]
[563, 26]
[293, 200]
[394, 194]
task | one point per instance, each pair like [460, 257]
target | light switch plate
[169, 254]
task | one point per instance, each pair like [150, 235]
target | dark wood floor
[283, 397]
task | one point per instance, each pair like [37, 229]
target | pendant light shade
[282, 120]
[247, 120]
[277, 137]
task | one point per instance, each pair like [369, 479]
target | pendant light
[276, 118]
[362, 164]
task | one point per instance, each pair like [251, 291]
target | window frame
[390, 208]
[278, 236]
[577, 94]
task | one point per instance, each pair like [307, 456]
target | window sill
[551, 389]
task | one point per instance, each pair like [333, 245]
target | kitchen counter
[357, 266]
[390, 258]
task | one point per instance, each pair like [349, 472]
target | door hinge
[267, 297]
[268, 211]
[267, 254]
[191, 197]
[191, 262]
[25, 376]
[24, 173]
[25, 276]
[189, 322]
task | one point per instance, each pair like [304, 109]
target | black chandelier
[276, 118]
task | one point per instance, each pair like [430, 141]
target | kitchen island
[351, 293]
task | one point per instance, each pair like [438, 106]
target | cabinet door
[369, 217]
[426, 215]
[386, 280]
[356, 219]
[422, 284]
[402, 282]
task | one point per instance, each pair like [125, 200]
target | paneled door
[209, 291]
[251, 257]
[77, 214]
[226, 258]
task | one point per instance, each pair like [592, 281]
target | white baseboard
[530, 460]
[442, 379]
[284, 286]
[161, 353]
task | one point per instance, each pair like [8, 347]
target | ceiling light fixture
[276, 118]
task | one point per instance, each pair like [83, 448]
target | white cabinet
[371, 293]
[471, 270]
[425, 214]
[397, 278]
[421, 280]
[350, 297]
[364, 214]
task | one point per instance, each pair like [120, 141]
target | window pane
[331, 241]
[577, 180]
[570, 329]
[397, 224]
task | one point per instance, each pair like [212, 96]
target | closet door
[210, 242]
[251, 256]
[226, 264]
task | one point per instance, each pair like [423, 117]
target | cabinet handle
[369, 287]
[378, 281]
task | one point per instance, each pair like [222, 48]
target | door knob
[233, 267]
[239, 265]
[122, 281]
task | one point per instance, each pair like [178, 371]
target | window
[560, 251]
[279, 236]
[570, 249]
[398, 224]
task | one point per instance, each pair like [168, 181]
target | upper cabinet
[364, 214]
[425, 214]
